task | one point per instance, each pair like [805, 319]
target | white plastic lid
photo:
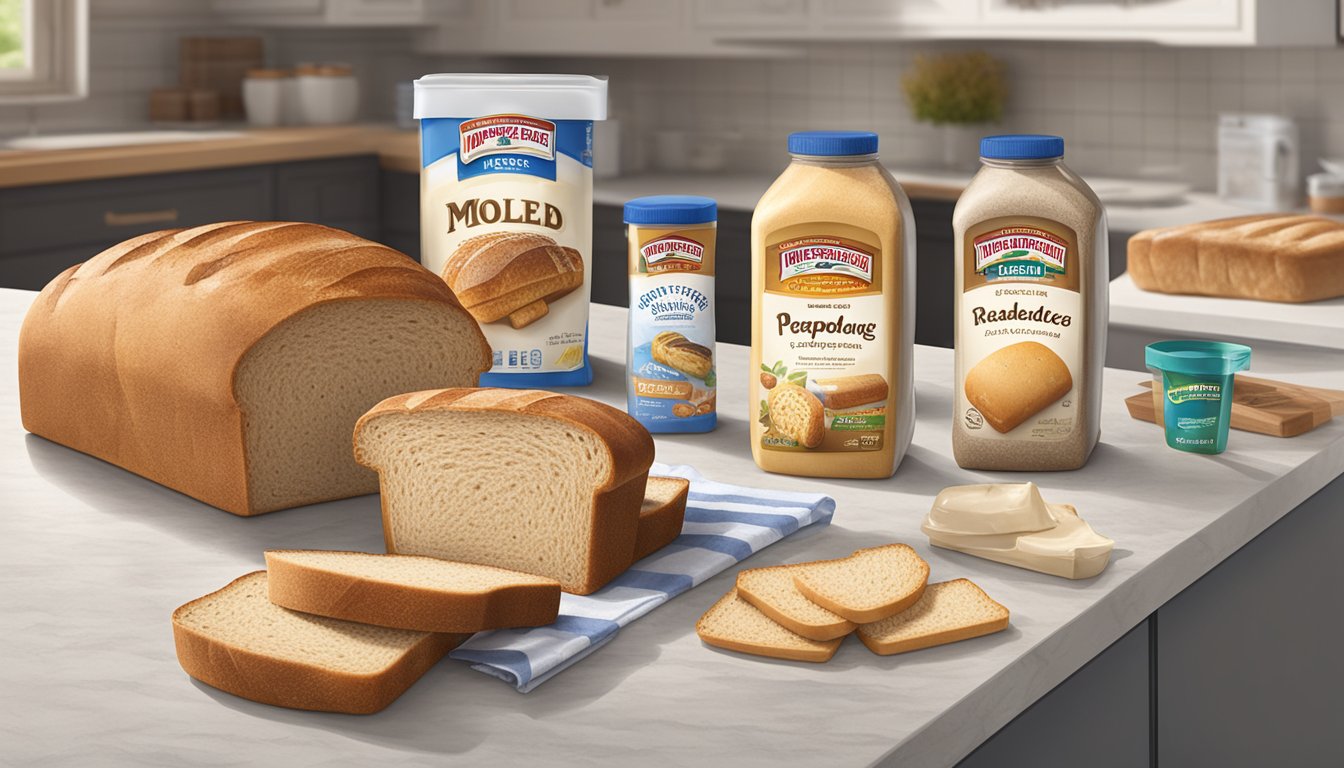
[552, 97]
[1325, 185]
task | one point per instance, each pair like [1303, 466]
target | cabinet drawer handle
[165, 216]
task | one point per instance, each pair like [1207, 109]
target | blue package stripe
[725, 524]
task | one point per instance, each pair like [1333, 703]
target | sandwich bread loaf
[230, 361]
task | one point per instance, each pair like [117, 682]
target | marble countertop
[97, 559]
[1316, 324]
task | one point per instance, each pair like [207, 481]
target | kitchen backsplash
[1125, 110]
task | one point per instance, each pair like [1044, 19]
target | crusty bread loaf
[409, 592]
[849, 391]
[869, 585]
[737, 625]
[680, 353]
[947, 612]
[513, 275]
[1014, 383]
[773, 591]
[230, 361]
[238, 641]
[662, 514]
[1271, 257]
[527, 480]
[797, 414]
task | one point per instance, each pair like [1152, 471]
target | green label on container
[1200, 390]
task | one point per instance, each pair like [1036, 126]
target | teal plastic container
[1192, 384]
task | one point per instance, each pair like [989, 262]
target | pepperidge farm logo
[507, 134]
[811, 257]
[672, 253]
[1020, 254]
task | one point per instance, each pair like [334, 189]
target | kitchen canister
[670, 374]
[1192, 390]
[328, 94]
[264, 96]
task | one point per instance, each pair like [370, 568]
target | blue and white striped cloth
[724, 525]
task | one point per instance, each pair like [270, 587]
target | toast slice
[947, 612]
[869, 585]
[773, 591]
[736, 625]
[661, 515]
[238, 641]
[410, 592]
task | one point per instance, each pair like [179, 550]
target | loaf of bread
[238, 641]
[1270, 257]
[850, 391]
[408, 592]
[680, 353]
[1014, 383]
[797, 414]
[514, 275]
[231, 361]
[527, 480]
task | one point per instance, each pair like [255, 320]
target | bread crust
[614, 521]
[1268, 257]
[302, 587]
[819, 652]
[957, 634]
[296, 685]
[132, 356]
[820, 632]
[860, 615]
[660, 524]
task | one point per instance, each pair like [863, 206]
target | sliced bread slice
[773, 591]
[527, 480]
[868, 585]
[238, 641]
[410, 592]
[736, 625]
[661, 515]
[947, 612]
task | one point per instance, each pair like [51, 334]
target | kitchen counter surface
[398, 150]
[97, 559]
[1316, 324]
[741, 191]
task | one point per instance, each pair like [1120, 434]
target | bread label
[672, 378]
[824, 347]
[506, 219]
[1020, 331]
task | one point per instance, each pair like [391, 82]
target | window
[43, 50]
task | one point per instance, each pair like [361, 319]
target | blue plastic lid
[833, 143]
[1208, 358]
[1024, 146]
[671, 209]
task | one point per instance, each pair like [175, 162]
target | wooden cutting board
[1262, 405]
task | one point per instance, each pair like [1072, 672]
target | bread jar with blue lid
[833, 303]
[1031, 274]
[1192, 390]
[671, 379]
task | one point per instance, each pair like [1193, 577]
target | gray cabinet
[47, 228]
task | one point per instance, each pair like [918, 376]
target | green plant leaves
[962, 88]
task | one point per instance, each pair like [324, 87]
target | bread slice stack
[803, 612]
[347, 631]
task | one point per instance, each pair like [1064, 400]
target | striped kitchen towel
[724, 525]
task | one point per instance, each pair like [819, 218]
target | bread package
[230, 361]
[528, 480]
[1270, 257]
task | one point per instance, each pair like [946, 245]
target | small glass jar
[1325, 193]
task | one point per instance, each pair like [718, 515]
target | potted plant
[962, 92]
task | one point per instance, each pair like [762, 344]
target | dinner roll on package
[506, 204]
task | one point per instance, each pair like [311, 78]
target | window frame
[56, 48]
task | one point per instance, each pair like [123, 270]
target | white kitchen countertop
[1317, 323]
[96, 559]
[741, 191]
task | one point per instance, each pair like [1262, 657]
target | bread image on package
[676, 351]
[796, 414]
[1017, 382]
[230, 361]
[532, 481]
[513, 276]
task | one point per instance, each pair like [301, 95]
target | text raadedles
[809, 256]
[672, 253]
[507, 134]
